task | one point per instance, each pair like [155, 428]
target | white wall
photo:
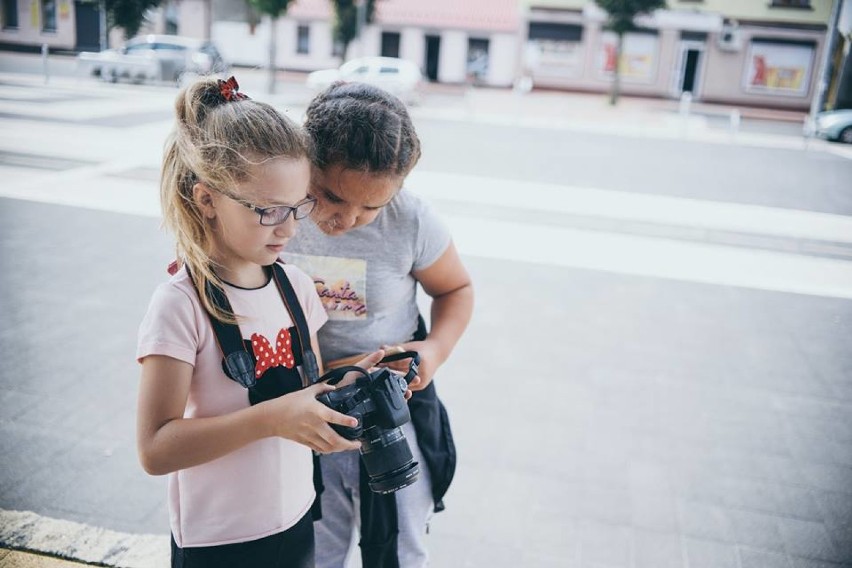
[452, 62]
[239, 46]
[502, 59]
[413, 46]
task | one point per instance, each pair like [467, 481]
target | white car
[154, 58]
[397, 76]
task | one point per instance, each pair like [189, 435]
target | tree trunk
[273, 33]
[616, 78]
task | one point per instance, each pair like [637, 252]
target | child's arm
[168, 442]
[446, 280]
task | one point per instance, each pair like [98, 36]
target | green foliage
[128, 14]
[272, 8]
[622, 12]
[346, 20]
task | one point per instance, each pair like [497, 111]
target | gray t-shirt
[364, 276]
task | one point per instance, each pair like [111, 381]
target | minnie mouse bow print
[267, 357]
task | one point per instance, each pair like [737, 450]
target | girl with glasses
[367, 245]
[235, 181]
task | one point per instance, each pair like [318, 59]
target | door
[88, 26]
[433, 52]
[687, 78]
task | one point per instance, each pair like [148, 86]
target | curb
[78, 544]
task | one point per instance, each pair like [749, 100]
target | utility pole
[821, 87]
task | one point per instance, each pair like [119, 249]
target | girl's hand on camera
[429, 362]
[300, 417]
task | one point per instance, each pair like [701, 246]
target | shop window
[303, 40]
[10, 14]
[48, 15]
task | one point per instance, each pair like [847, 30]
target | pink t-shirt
[262, 488]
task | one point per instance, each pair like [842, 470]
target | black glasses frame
[299, 211]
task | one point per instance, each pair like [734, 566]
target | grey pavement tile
[709, 554]
[652, 549]
[835, 478]
[811, 563]
[700, 520]
[798, 502]
[743, 493]
[605, 504]
[836, 508]
[809, 540]
[655, 511]
[751, 558]
[603, 544]
[756, 530]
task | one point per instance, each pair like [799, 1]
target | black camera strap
[336, 375]
[237, 362]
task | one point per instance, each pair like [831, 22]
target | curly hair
[362, 127]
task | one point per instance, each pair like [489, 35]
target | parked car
[397, 76]
[835, 125]
[154, 58]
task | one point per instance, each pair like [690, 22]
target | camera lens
[388, 460]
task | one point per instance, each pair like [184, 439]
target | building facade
[762, 53]
[451, 41]
[39, 22]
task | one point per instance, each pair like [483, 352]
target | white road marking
[560, 246]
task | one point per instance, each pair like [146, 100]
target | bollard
[735, 121]
[44, 52]
[685, 103]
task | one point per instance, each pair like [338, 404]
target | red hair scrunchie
[230, 90]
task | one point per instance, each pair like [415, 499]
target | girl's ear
[203, 197]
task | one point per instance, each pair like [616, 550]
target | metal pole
[825, 64]
[44, 53]
[102, 24]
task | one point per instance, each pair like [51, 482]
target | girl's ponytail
[220, 135]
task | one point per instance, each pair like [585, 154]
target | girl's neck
[248, 276]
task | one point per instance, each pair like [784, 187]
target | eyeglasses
[277, 214]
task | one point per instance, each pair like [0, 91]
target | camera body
[377, 401]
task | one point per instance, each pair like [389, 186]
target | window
[48, 15]
[806, 4]
[303, 40]
[390, 44]
[10, 14]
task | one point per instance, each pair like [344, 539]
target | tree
[346, 20]
[274, 9]
[621, 16]
[128, 14]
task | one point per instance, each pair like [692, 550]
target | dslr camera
[377, 400]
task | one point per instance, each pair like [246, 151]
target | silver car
[154, 58]
[834, 125]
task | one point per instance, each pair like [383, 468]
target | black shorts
[293, 548]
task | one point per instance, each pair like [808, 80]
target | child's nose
[286, 229]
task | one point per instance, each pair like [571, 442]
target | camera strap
[237, 362]
[336, 375]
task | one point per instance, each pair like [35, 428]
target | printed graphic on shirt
[267, 357]
[341, 283]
